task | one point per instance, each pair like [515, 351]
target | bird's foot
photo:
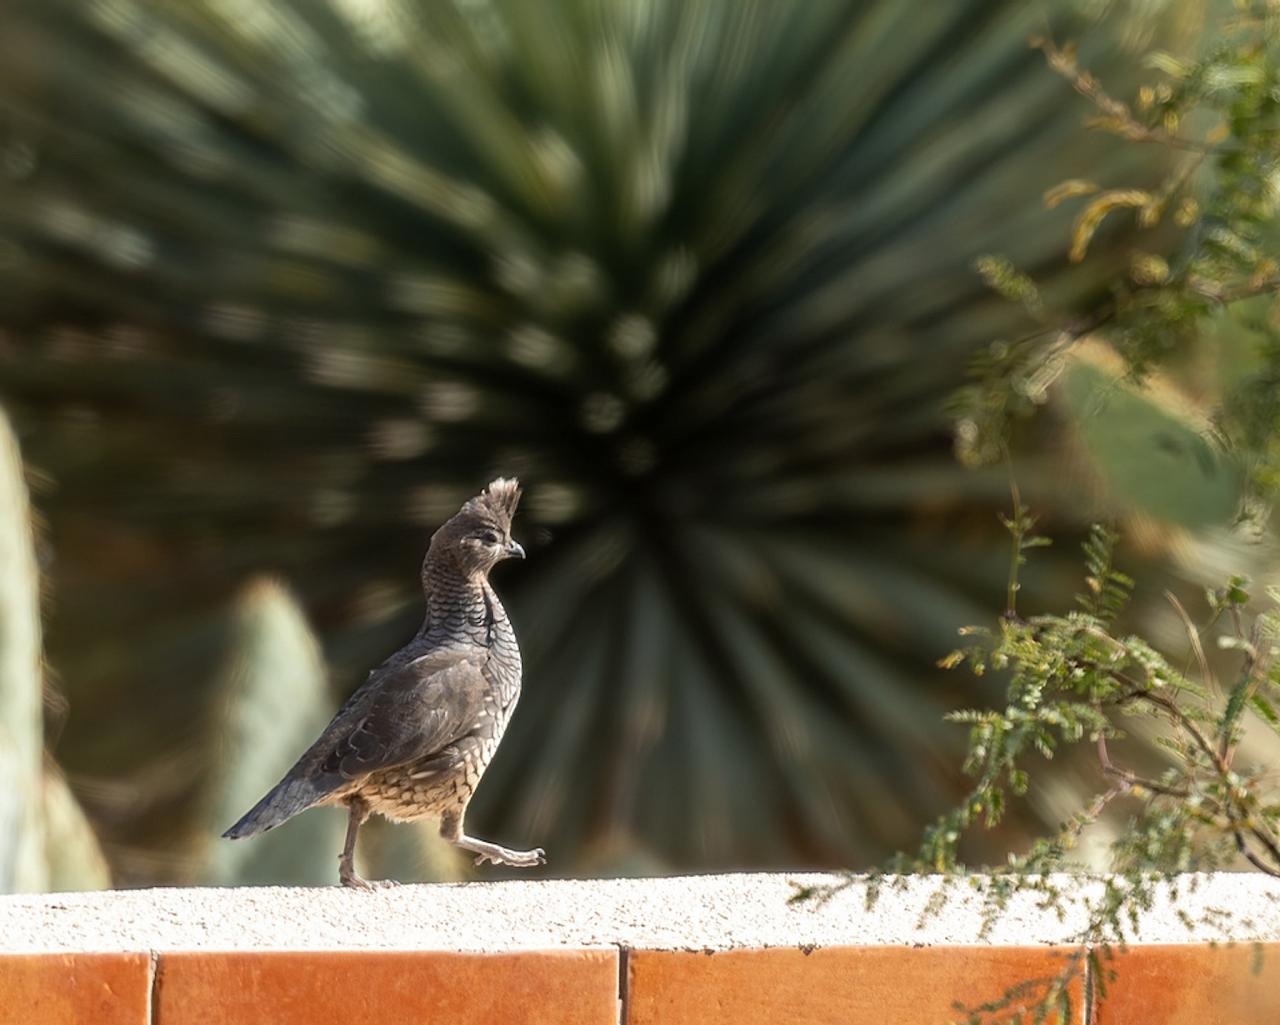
[355, 882]
[486, 852]
[519, 859]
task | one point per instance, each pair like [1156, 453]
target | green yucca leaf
[1149, 454]
[22, 861]
[273, 700]
[73, 857]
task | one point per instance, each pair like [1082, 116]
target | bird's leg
[451, 830]
[491, 852]
[357, 813]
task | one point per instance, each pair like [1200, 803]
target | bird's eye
[488, 537]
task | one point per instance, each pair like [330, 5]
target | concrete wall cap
[702, 913]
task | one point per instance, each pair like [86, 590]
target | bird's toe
[355, 882]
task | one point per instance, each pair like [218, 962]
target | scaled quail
[414, 739]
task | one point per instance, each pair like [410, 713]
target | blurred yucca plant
[271, 701]
[45, 841]
[288, 280]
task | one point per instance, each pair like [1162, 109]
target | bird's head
[478, 536]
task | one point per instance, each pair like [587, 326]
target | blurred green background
[282, 283]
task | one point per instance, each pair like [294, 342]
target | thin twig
[1118, 117]
[1221, 763]
[1181, 719]
[1252, 858]
[1011, 594]
[1101, 801]
[1227, 296]
[1132, 779]
[1248, 674]
[1193, 636]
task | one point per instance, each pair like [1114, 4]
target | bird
[414, 739]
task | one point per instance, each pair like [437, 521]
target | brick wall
[726, 950]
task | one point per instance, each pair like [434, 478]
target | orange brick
[1182, 985]
[74, 989]
[844, 985]
[390, 988]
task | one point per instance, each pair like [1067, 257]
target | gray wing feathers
[401, 714]
[422, 708]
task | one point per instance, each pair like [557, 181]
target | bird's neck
[460, 606]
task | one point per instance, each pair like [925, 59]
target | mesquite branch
[1241, 825]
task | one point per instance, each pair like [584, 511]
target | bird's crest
[499, 498]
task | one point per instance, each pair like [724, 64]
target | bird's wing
[414, 711]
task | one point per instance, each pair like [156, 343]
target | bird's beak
[515, 550]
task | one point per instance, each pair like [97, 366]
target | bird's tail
[285, 800]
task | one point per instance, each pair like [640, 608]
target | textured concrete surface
[722, 912]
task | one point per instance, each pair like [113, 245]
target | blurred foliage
[1078, 681]
[1218, 117]
[272, 701]
[1202, 797]
[73, 856]
[288, 280]
[1153, 452]
[22, 865]
[45, 841]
